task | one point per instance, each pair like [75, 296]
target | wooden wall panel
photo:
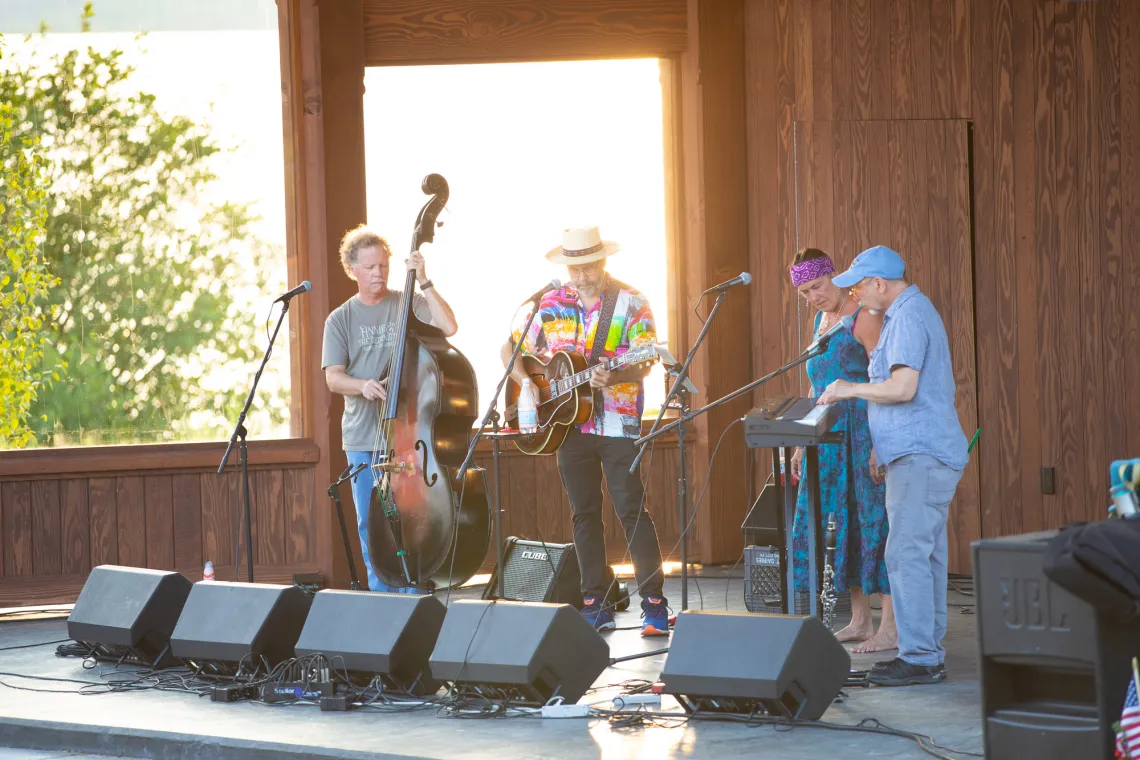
[55, 529]
[1050, 267]
[878, 59]
[220, 504]
[75, 545]
[46, 528]
[159, 509]
[296, 486]
[406, 32]
[130, 505]
[1066, 420]
[1015, 400]
[104, 521]
[17, 529]
[1108, 236]
[1129, 407]
[269, 539]
[186, 491]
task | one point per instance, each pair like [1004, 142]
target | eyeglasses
[585, 269]
[857, 287]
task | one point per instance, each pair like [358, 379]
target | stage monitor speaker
[370, 635]
[128, 613]
[238, 629]
[539, 571]
[523, 651]
[724, 662]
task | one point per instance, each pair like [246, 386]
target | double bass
[426, 528]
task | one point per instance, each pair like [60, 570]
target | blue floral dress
[846, 488]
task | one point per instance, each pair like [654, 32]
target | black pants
[581, 461]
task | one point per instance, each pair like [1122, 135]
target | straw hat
[581, 245]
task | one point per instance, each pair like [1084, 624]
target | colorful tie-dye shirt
[563, 323]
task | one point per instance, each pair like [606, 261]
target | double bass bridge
[408, 467]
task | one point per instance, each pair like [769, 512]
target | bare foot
[856, 632]
[880, 642]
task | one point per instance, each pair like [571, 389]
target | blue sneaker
[655, 616]
[602, 618]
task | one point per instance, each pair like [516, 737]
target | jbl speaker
[232, 629]
[129, 613]
[527, 652]
[1054, 672]
[791, 667]
[539, 571]
[387, 635]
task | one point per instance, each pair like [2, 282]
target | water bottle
[528, 412]
[208, 571]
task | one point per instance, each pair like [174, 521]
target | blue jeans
[919, 491]
[362, 486]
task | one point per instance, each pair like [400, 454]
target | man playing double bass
[358, 342]
[595, 306]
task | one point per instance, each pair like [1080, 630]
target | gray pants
[919, 491]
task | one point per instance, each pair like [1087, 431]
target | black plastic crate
[762, 569]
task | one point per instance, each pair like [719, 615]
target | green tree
[24, 278]
[146, 262]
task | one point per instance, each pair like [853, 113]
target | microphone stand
[679, 423]
[492, 418]
[239, 436]
[682, 481]
[811, 353]
[334, 494]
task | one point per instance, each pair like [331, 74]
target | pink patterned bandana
[811, 269]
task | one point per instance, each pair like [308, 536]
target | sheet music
[672, 367]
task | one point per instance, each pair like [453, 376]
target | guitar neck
[564, 385]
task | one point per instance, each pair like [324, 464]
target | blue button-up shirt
[913, 336]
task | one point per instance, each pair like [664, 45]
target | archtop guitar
[566, 399]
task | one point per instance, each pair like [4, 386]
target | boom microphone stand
[239, 436]
[811, 353]
[682, 376]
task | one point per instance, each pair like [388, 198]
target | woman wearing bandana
[851, 485]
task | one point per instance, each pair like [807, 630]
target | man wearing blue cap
[919, 440]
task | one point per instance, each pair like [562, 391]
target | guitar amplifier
[539, 571]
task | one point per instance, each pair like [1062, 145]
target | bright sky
[527, 149]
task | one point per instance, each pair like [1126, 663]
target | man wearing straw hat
[599, 317]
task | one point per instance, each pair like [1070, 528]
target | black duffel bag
[1099, 562]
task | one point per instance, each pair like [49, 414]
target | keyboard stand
[785, 520]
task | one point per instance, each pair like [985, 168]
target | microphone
[304, 287]
[742, 279]
[844, 324]
[552, 285]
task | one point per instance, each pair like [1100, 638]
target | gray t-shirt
[361, 338]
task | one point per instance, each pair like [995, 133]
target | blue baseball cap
[877, 261]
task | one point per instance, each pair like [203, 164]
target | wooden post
[322, 65]
[716, 249]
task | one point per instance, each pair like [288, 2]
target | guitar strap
[598, 347]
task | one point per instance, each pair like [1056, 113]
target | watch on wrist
[426, 285]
